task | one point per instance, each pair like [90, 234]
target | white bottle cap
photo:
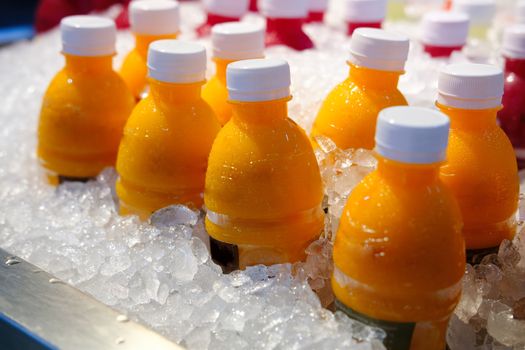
[412, 135]
[237, 41]
[444, 29]
[258, 80]
[365, 11]
[227, 8]
[318, 5]
[514, 42]
[154, 17]
[378, 49]
[480, 12]
[520, 11]
[175, 61]
[284, 8]
[88, 36]
[470, 86]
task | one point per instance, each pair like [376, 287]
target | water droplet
[120, 340]
[12, 261]
[122, 318]
[55, 281]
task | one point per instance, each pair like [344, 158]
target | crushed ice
[160, 273]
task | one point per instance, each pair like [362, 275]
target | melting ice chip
[174, 215]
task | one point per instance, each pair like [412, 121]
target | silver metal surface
[65, 317]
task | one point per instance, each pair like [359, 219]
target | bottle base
[428, 335]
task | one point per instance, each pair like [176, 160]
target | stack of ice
[160, 273]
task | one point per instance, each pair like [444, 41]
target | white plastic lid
[514, 42]
[365, 11]
[444, 29]
[227, 8]
[237, 41]
[479, 11]
[412, 135]
[284, 8]
[318, 5]
[258, 80]
[520, 11]
[154, 17]
[378, 49]
[88, 36]
[470, 86]
[175, 61]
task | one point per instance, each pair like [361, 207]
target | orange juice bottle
[399, 254]
[86, 104]
[231, 42]
[481, 167]
[150, 20]
[263, 187]
[164, 151]
[348, 115]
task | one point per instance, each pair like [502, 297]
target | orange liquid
[216, 93]
[83, 113]
[399, 254]
[348, 115]
[259, 167]
[482, 173]
[164, 151]
[134, 69]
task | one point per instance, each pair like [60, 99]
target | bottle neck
[260, 112]
[440, 51]
[470, 119]
[174, 93]
[516, 66]
[142, 42]
[285, 26]
[213, 19]
[405, 174]
[220, 68]
[373, 78]
[351, 26]
[84, 64]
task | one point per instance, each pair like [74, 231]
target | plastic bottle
[512, 116]
[231, 42]
[444, 32]
[284, 23]
[259, 167]
[253, 6]
[399, 255]
[317, 10]
[364, 13]
[86, 104]
[151, 20]
[481, 167]
[481, 14]
[222, 11]
[348, 114]
[164, 151]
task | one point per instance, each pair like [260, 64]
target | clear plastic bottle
[444, 32]
[222, 11]
[263, 187]
[284, 23]
[512, 116]
[481, 166]
[151, 20]
[399, 255]
[364, 13]
[349, 112]
[86, 104]
[231, 42]
[163, 155]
